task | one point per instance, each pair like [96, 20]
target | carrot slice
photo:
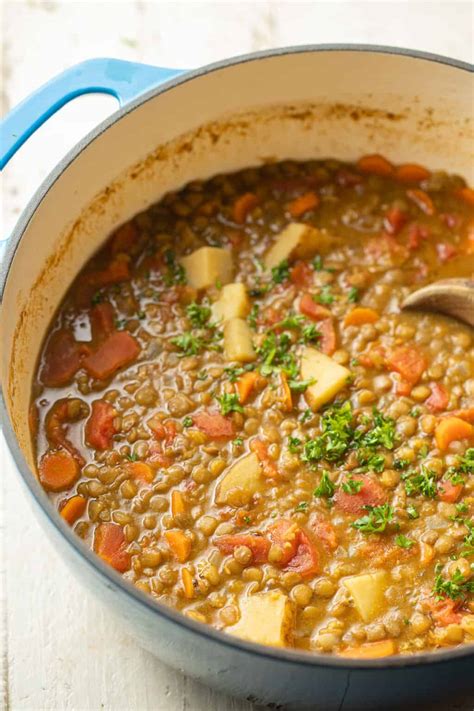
[73, 509]
[439, 398]
[449, 492]
[188, 585]
[177, 503]
[246, 385]
[422, 200]
[180, 544]
[62, 359]
[375, 164]
[141, 471]
[58, 470]
[411, 173]
[109, 544]
[466, 414]
[214, 424]
[259, 545]
[100, 428]
[361, 315]
[303, 203]
[466, 194]
[370, 650]
[451, 429]
[314, 311]
[242, 206]
[117, 351]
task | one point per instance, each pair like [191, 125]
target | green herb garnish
[456, 587]
[187, 421]
[353, 295]
[376, 520]
[352, 486]
[422, 483]
[281, 272]
[302, 506]
[229, 402]
[198, 315]
[403, 541]
[188, 344]
[325, 488]
[325, 296]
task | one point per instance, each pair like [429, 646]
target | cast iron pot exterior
[261, 674]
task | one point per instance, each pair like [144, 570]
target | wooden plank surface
[60, 650]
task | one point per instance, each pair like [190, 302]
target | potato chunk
[330, 377]
[207, 265]
[238, 341]
[266, 618]
[233, 302]
[297, 241]
[241, 481]
[368, 593]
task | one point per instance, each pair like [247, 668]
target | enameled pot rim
[109, 575]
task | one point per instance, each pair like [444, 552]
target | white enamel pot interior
[303, 104]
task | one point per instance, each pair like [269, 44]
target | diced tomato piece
[100, 428]
[62, 359]
[328, 341]
[314, 311]
[409, 362]
[394, 220]
[301, 274]
[411, 173]
[416, 235]
[269, 466]
[214, 424]
[257, 544]
[285, 535]
[306, 559]
[439, 398]
[324, 532]
[445, 251]
[118, 350]
[124, 238]
[444, 612]
[449, 492]
[102, 318]
[109, 544]
[375, 164]
[371, 494]
[163, 430]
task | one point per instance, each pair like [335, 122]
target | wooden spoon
[452, 297]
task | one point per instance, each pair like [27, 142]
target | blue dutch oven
[172, 127]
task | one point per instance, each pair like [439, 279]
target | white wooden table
[60, 650]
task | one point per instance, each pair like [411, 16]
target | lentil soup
[232, 410]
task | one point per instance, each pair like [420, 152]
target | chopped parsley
[403, 541]
[310, 333]
[175, 273]
[229, 402]
[274, 352]
[382, 433]
[132, 457]
[336, 436]
[238, 441]
[401, 464]
[299, 386]
[302, 506]
[294, 443]
[234, 372]
[325, 296]
[188, 421]
[325, 488]
[468, 542]
[422, 483]
[291, 321]
[376, 520]
[281, 272]
[318, 263]
[353, 295]
[412, 512]
[352, 486]
[306, 415]
[456, 587]
[97, 298]
[198, 315]
[253, 315]
[188, 344]
[202, 375]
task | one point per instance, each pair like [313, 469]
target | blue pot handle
[124, 80]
